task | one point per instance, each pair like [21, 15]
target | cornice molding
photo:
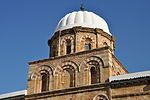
[73, 54]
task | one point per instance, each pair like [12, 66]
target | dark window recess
[87, 46]
[45, 82]
[71, 74]
[68, 47]
[71, 79]
[93, 75]
[53, 51]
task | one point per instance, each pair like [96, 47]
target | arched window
[68, 46]
[88, 44]
[94, 64]
[68, 78]
[95, 72]
[45, 81]
[93, 75]
[71, 77]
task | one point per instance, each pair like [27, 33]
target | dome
[84, 19]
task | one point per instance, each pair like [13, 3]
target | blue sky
[26, 25]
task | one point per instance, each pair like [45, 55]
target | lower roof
[130, 76]
[13, 94]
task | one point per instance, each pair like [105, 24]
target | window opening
[88, 44]
[69, 78]
[68, 46]
[53, 48]
[45, 82]
[93, 75]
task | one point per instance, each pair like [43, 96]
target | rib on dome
[84, 19]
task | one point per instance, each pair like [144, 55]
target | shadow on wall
[146, 88]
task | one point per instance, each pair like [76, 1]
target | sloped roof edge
[13, 94]
[130, 76]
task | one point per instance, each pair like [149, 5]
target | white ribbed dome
[84, 19]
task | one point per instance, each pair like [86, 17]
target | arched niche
[66, 74]
[67, 45]
[42, 78]
[87, 42]
[92, 70]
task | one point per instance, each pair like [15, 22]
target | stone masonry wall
[78, 61]
[137, 92]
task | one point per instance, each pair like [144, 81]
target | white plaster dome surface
[84, 19]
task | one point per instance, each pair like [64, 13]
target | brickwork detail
[78, 37]
[80, 64]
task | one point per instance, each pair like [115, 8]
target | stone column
[75, 39]
[59, 43]
[96, 39]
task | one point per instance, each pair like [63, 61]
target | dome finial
[82, 7]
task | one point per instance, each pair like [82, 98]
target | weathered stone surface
[82, 74]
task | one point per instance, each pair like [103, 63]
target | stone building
[82, 65]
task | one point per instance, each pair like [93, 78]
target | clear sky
[26, 25]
